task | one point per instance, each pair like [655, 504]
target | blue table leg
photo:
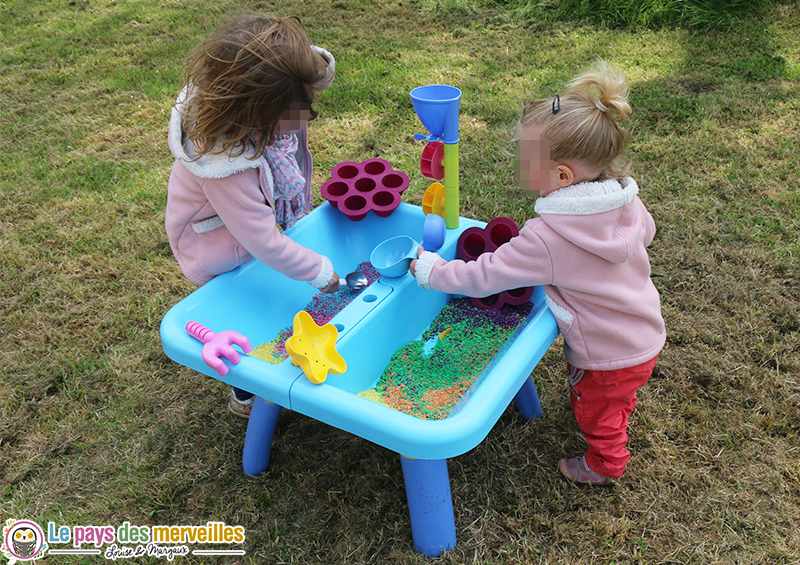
[430, 505]
[258, 440]
[527, 400]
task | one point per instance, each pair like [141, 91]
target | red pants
[602, 402]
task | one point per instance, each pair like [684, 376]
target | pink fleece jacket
[587, 249]
[220, 209]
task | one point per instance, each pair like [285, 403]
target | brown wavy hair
[243, 78]
[581, 130]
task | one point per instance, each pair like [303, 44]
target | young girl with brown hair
[588, 249]
[242, 164]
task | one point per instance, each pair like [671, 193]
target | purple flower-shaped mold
[476, 241]
[357, 188]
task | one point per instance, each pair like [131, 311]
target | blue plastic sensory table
[259, 302]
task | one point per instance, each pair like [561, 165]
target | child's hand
[333, 286]
[413, 267]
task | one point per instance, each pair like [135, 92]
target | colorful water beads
[431, 383]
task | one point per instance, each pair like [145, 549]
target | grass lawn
[98, 426]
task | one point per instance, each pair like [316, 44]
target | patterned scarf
[288, 191]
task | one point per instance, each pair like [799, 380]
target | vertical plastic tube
[527, 400]
[258, 439]
[436, 106]
[451, 205]
[430, 505]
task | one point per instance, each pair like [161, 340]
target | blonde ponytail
[605, 87]
[587, 126]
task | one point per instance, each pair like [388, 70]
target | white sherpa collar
[588, 198]
[211, 165]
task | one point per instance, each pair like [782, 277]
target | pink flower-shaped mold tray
[357, 188]
[476, 241]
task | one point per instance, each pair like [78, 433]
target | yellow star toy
[313, 348]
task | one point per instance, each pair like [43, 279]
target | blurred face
[295, 118]
[537, 174]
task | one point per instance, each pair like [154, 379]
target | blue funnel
[436, 106]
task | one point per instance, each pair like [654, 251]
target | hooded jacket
[587, 249]
[220, 209]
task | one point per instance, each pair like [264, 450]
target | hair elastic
[600, 106]
[556, 104]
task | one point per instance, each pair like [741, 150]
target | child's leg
[240, 402]
[242, 394]
[602, 402]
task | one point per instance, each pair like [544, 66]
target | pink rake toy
[219, 345]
